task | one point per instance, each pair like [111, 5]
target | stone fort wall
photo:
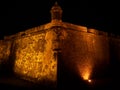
[83, 51]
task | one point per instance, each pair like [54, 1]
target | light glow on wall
[85, 70]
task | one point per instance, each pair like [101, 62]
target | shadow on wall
[7, 65]
[101, 72]
[114, 57]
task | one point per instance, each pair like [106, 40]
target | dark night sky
[20, 15]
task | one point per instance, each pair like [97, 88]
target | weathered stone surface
[34, 58]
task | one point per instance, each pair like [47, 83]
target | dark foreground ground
[13, 83]
[66, 81]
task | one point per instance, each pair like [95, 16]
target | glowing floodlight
[89, 81]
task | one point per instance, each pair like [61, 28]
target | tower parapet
[56, 13]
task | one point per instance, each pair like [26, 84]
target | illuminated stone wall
[85, 52]
[34, 58]
[37, 54]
